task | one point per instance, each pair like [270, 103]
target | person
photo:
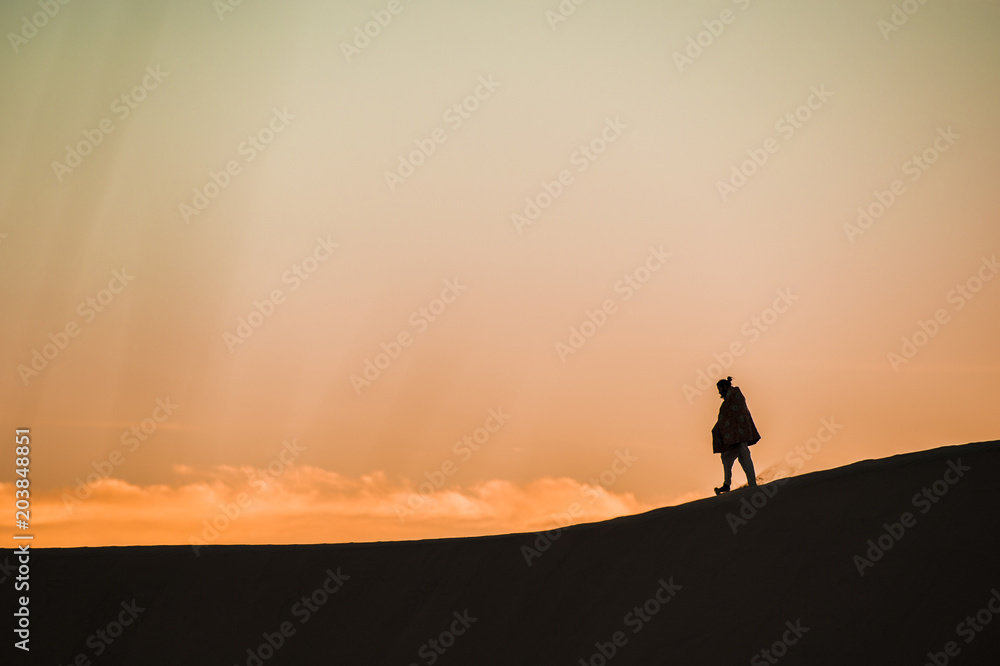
[734, 433]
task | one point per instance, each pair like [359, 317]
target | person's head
[724, 385]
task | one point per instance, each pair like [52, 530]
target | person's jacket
[735, 425]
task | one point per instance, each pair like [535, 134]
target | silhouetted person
[734, 433]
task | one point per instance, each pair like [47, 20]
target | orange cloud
[303, 504]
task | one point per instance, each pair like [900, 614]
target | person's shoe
[722, 489]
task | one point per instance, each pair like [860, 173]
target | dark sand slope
[728, 596]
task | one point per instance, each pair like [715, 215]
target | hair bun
[729, 378]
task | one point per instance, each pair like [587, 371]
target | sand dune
[880, 562]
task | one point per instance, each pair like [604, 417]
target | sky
[310, 272]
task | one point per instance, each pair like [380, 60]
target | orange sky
[474, 272]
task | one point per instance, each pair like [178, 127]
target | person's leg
[728, 458]
[743, 452]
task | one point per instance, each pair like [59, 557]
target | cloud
[303, 504]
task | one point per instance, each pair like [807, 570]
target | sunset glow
[322, 272]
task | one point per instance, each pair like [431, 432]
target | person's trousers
[729, 456]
